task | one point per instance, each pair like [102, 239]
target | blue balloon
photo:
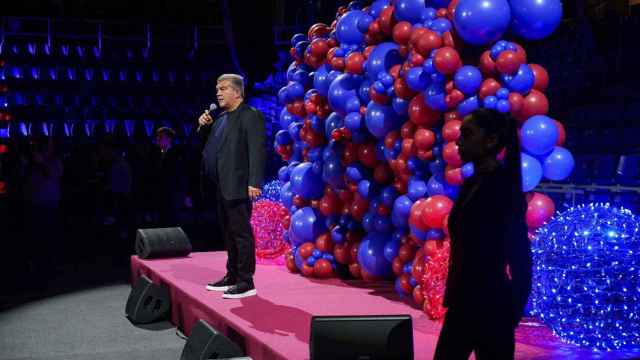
[420, 235]
[438, 186]
[367, 189]
[364, 22]
[301, 77]
[391, 250]
[388, 196]
[535, 19]
[283, 175]
[558, 165]
[353, 121]
[306, 182]
[400, 106]
[434, 96]
[468, 106]
[322, 80]
[347, 31]
[417, 189]
[502, 93]
[342, 94]
[435, 234]
[368, 222]
[338, 234]
[417, 79]
[363, 92]
[298, 258]
[286, 195]
[376, 8]
[407, 268]
[503, 106]
[539, 135]
[371, 255]
[531, 172]
[333, 121]
[286, 118]
[382, 224]
[381, 59]
[468, 79]
[440, 25]
[402, 206]
[295, 39]
[332, 172]
[356, 172]
[294, 130]
[311, 260]
[437, 166]
[283, 137]
[410, 10]
[467, 170]
[380, 119]
[490, 102]
[306, 224]
[482, 22]
[316, 253]
[522, 81]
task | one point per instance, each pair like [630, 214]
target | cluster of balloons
[373, 109]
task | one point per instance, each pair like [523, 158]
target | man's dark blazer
[241, 153]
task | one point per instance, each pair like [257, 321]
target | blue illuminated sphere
[586, 277]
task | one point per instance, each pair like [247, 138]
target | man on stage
[233, 165]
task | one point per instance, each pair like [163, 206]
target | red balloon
[415, 215]
[454, 98]
[421, 114]
[387, 20]
[402, 90]
[405, 285]
[323, 269]
[408, 147]
[508, 62]
[445, 227]
[426, 42]
[516, 101]
[451, 9]
[424, 139]
[367, 155]
[535, 103]
[416, 34]
[447, 60]
[354, 269]
[521, 53]
[562, 134]
[355, 63]
[299, 201]
[324, 243]
[489, 87]
[307, 270]
[390, 139]
[539, 210]
[418, 297]
[368, 50]
[451, 39]
[487, 65]
[435, 209]
[541, 77]
[306, 250]
[297, 108]
[318, 30]
[350, 153]
[451, 115]
[383, 174]
[406, 253]
[342, 253]
[359, 207]
[319, 48]
[354, 250]
[451, 130]
[416, 59]
[417, 270]
[397, 266]
[377, 97]
[424, 155]
[450, 154]
[291, 264]
[402, 32]
[337, 63]
[449, 86]
[400, 186]
[395, 71]
[453, 176]
[408, 129]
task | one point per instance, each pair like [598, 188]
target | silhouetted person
[490, 264]
[233, 164]
[170, 177]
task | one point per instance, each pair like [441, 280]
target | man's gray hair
[237, 81]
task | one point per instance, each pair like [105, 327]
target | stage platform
[275, 323]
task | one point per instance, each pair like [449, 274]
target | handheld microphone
[213, 107]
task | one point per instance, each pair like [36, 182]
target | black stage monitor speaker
[206, 343]
[147, 302]
[162, 242]
[361, 337]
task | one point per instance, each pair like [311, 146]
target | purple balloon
[482, 22]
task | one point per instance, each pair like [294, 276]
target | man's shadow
[281, 320]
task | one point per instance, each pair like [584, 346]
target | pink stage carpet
[275, 323]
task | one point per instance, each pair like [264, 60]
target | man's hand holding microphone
[205, 118]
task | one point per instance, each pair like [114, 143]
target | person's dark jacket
[488, 235]
[241, 153]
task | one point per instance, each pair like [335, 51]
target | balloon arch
[373, 108]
